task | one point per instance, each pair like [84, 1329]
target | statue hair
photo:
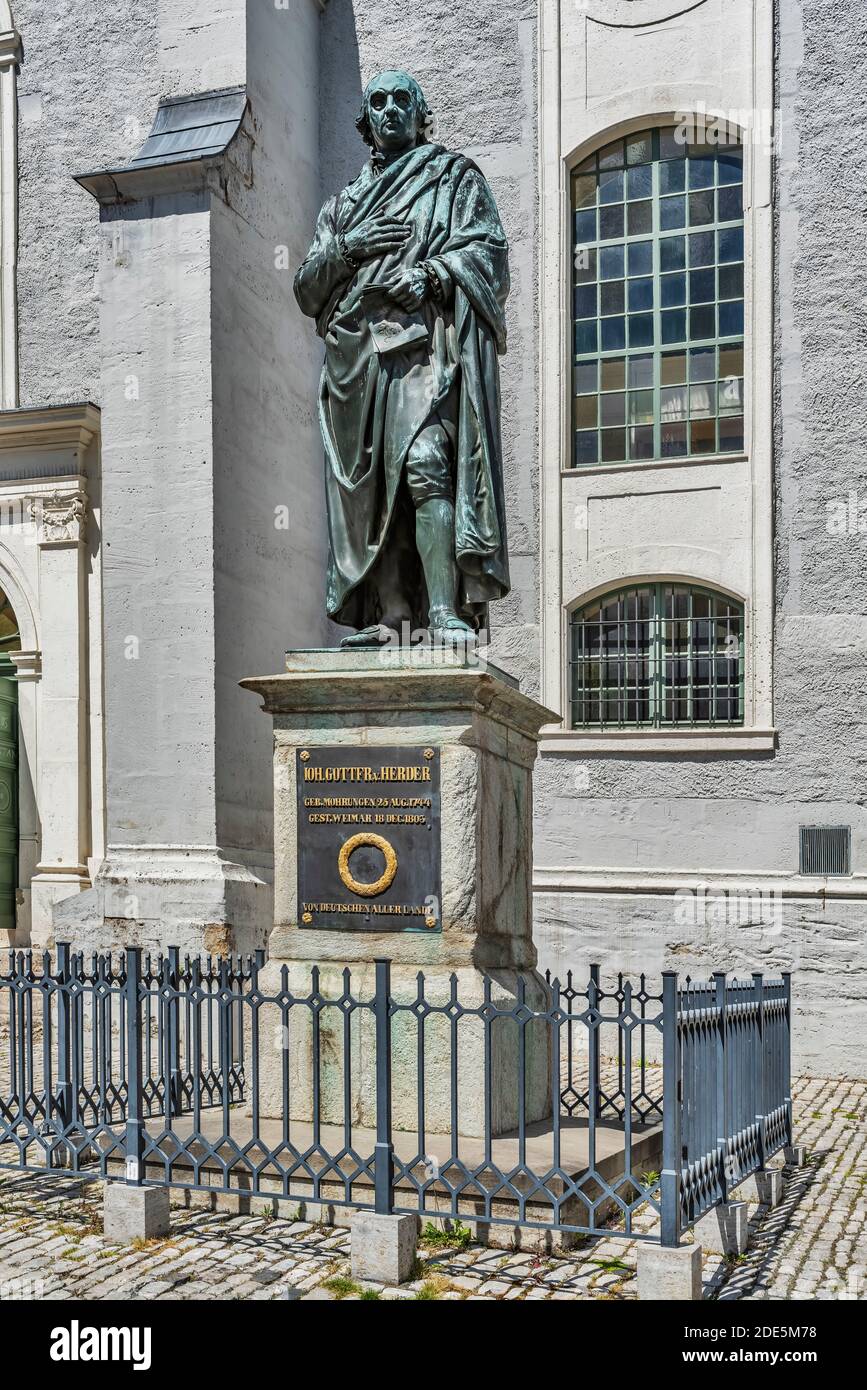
[422, 110]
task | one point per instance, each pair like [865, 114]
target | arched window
[658, 300]
[657, 656]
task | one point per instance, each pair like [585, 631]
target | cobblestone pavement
[813, 1246]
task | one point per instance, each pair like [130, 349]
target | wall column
[62, 758]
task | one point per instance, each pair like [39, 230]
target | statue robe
[372, 407]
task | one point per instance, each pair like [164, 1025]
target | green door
[8, 792]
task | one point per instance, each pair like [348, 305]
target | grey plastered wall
[714, 814]
[476, 65]
[89, 82]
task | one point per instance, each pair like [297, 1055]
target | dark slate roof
[192, 127]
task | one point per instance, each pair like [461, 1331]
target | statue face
[392, 113]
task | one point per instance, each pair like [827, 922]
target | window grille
[657, 656]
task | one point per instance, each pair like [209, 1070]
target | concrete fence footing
[669, 1273]
[795, 1156]
[135, 1213]
[765, 1186]
[725, 1229]
[382, 1248]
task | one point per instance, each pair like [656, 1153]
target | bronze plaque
[369, 838]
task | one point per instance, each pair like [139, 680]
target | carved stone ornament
[61, 517]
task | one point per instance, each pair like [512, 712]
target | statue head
[393, 113]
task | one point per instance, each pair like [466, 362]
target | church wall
[88, 87]
[619, 836]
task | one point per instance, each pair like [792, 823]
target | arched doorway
[10, 641]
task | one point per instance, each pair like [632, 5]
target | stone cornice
[10, 47]
[371, 684]
[49, 426]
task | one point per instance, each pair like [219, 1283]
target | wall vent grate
[826, 850]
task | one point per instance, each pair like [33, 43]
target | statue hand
[409, 289]
[376, 236]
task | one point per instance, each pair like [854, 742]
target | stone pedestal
[483, 732]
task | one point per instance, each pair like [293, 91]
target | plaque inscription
[369, 838]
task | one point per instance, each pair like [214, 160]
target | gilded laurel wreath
[367, 890]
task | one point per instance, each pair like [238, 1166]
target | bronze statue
[407, 279]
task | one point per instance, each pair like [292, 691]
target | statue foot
[377, 636]
[447, 629]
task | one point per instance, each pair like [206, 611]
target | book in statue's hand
[392, 328]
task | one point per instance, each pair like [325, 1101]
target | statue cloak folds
[372, 407]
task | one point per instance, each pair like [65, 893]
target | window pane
[611, 187]
[585, 264]
[613, 334]
[639, 220]
[641, 442]
[585, 302]
[611, 157]
[613, 374]
[702, 401]
[640, 407]
[702, 435]
[610, 222]
[672, 213]
[701, 249]
[641, 371]
[673, 440]
[730, 205]
[673, 368]
[611, 297]
[585, 412]
[701, 286]
[641, 294]
[639, 182]
[702, 322]
[702, 364]
[731, 244]
[640, 330]
[731, 318]
[585, 377]
[673, 403]
[613, 408]
[731, 396]
[672, 176]
[586, 447]
[731, 166]
[731, 360]
[731, 281]
[639, 148]
[672, 253]
[584, 191]
[613, 446]
[585, 225]
[701, 171]
[671, 143]
[672, 290]
[641, 258]
[731, 433]
[611, 263]
[701, 209]
[585, 336]
[673, 325]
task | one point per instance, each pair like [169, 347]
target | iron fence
[506, 1100]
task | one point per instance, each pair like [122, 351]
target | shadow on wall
[341, 152]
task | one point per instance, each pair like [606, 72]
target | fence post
[722, 1088]
[64, 1037]
[787, 1053]
[761, 1108]
[384, 1151]
[595, 1097]
[134, 1104]
[174, 1032]
[672, 1157]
